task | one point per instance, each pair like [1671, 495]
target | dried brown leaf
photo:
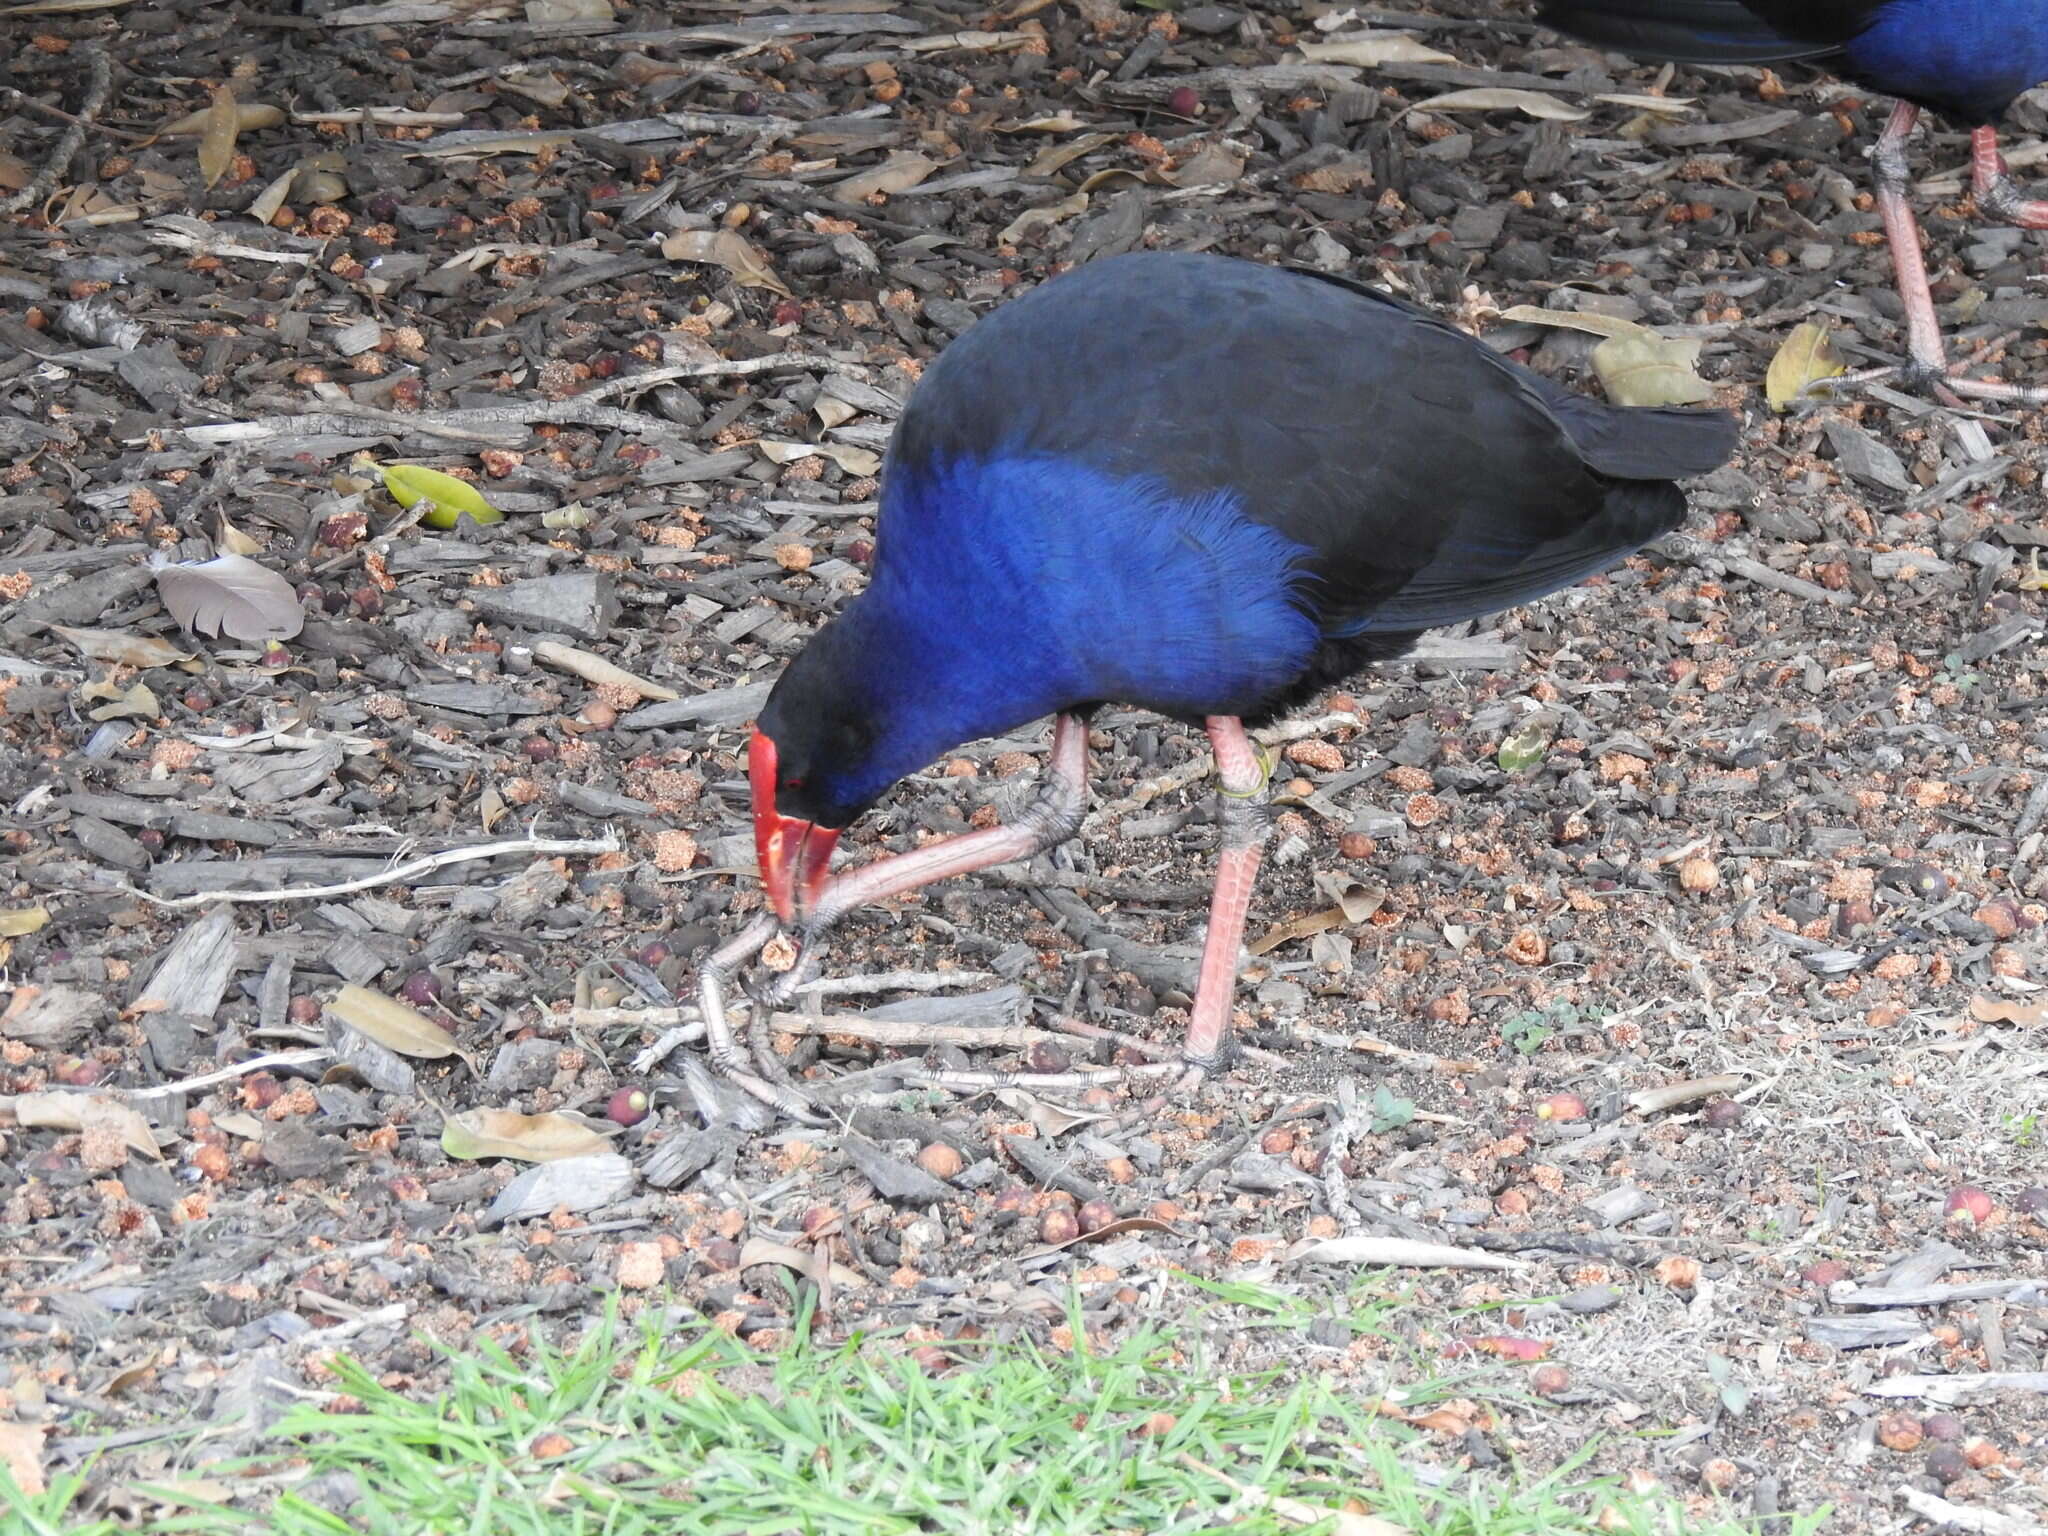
[855, 461]
[545, 1138]
[1498, 98]
[249, 116]
[1373, 49]
[899, 173]
[1590, 321]
[391, 1023]
[19, 922]
[76, 1111]
[1036, 218]
[217, 139]
[1651, 370]
[760, 1250]
[121, 648]
[134, 702]
[1344, 1522]
[1802, 360]
[724, 248]
[1986, 1009]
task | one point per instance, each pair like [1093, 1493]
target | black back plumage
[1433, 479]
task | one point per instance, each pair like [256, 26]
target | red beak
[794, 855]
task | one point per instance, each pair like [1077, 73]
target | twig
[1351, 1121]
[1372, 1045]
[1651, 1101]
[1083, 1029]
[724, 368]
[1965, 1517]
[397, 874]
[1951, 1390]
[894, 981]
[304, 1058]
[686, 1025]
[1046, 1167]
[321, 1337]
[1085, 1077]
[99, 81]
[1791, 586]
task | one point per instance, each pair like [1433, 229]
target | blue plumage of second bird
[1968, 59]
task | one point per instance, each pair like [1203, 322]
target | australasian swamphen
[1197, 485]
[1967, 59]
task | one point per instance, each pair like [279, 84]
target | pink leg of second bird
[1995, 190]
[1997, 195]
[1902, 234]
[1242, 781]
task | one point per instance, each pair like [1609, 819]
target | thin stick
[687, 1025]
[396, 874]
[99, 81]
[304, 1058]
[894, 981]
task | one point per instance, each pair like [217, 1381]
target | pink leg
[1902, 233]
[1242, 779]
[1993, 185]
[1927, 364]
[1051, 818]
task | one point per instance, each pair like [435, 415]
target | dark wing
[1710, 31]
[1431, 479]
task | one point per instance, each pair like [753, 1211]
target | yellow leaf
[217, 139]
[545, 1138]
[136, 703]
[1803, 360]
[1588, 320]
[1651, 370]
[447, 497]
[19, 922]
[391, 1023]
[232, 541]
[249, 117]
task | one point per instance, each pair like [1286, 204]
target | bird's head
[812, 767]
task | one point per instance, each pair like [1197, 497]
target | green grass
[693, 1432]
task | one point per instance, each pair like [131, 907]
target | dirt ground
[1768, 834]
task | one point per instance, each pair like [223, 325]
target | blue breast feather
[1031, 582]
[1975, 55]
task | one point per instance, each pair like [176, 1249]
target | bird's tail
[1643, 442]
[1684, 31]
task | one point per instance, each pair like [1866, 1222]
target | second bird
[1966, 59]
[1201, 486]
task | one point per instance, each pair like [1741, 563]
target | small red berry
[627, 1106]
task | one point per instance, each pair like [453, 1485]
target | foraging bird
[1967, 59]
[1200, 486]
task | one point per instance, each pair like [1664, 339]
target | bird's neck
[935, 679]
